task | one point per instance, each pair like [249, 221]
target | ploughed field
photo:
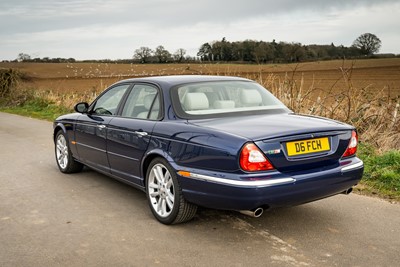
[369, 74]
[364, 93]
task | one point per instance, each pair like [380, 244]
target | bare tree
[143, 54]
[162, 54]
[179, 55]
[368, 43]
[23, 57]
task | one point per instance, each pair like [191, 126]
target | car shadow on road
[298, 219]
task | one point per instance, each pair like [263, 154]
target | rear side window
[143, 102]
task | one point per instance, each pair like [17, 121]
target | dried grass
[9, 79]
[374, 113]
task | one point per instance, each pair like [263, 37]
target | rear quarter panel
[192, 146]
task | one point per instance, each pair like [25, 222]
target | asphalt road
[51, 219]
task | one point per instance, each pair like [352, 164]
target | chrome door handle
[140, 133]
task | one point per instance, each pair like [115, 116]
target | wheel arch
[59, 126]
[150, 156]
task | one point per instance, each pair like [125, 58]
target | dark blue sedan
[217, 142]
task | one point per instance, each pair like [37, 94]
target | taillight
[352, 147]
[252, 159]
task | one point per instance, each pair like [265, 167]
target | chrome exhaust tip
[348, 191]
[253, 213]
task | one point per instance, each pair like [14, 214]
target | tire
[164, 194]
[65, 162]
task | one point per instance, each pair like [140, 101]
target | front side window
[107, 104]
[143, 102]
[223, 98]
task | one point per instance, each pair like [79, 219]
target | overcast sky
[95, 29]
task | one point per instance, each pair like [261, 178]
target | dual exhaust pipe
[259, 211]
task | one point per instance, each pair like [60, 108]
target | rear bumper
[269, 189]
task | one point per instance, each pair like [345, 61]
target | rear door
[128, 136]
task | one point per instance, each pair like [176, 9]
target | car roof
[173, 80]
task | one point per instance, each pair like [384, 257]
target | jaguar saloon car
[216, 142]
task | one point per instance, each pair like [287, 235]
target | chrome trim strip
[121, 156]
[94, 148]
[352, 166]
[259, 183]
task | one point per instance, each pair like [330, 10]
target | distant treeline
[248, 51]
[273, 52]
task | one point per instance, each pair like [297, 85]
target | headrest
[195, 101]
[250, 97]
[219, 104]
[148, 100]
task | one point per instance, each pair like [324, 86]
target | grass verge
[37, 108]
[381, 172]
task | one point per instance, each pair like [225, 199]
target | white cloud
[114, 29]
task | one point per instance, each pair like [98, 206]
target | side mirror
[81, 107]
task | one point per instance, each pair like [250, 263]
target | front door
[91, 128]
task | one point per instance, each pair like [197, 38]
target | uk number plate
[308, 146]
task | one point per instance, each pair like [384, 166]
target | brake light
[252, 159]
[352, 147]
